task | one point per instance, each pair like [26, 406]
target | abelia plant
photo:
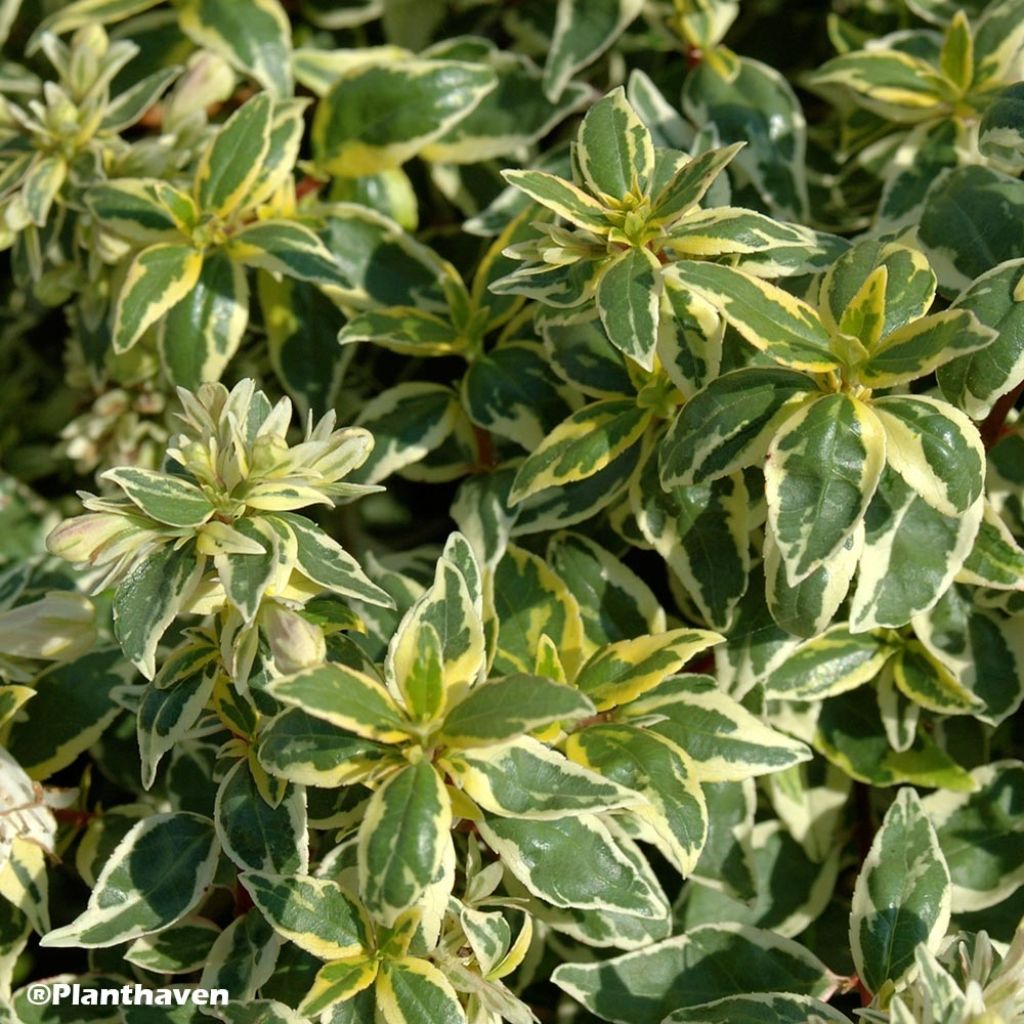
[512, 511]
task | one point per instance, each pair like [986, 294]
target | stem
[992, 426]
[485, 449]
[69, 816]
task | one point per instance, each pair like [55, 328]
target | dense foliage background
[513, 510]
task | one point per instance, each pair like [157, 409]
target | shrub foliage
[646, 644]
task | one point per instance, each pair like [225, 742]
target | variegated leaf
[730, 423]
[158, 278]
[574, 862]
[724, 741]
[347, 698]
[157, 873]
[501, 709]
[902, 897]
[823, 467]
[661, 772]
[580, 446]
[402, 840]
[377, 116]
[521, 778]
[772, 320]
[620, 672]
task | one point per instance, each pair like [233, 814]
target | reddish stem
[307, 186]
[993, 427]
[69, 816]
[486, 454]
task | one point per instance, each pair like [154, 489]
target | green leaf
[996, 560]
[922, 678]
[584, 29]
[83, 12]
[920, 347]
[806, 608]
[521, 778]
[317, 914]
[378, 116]
[411, 990]
[242, 958]
[614, 148]
[166, 715]
[574, 862]
[328, 564]
[902, 897]
[908, 286]
[142, 210]
[231, 163]
[582, 445]
[201, 334]
[158, 278]
[513, 392]
[724, 741]
[620, 672]
[579, 351]
[164, 497]
[76, 704]
[661, 773]
[851, 734]
[980, 836]
[148, 599]
[337, 983]
[971, 223]
[974, 382]
[246, 576]
[832, 663]
[448, 612]
[156, 875]
[180, 949]
[406, 330]
[702, 531]
[402, 840]
[822, 470]
[255, 39]
[308, 751]
[628, 301]
[981, 646]
[903, 530]
[345, 697]
[501, 709]
[515, 114]
[40, 186]
[255, 835]
[956, 60]
[531, 601]
[285, 247]
[728, 230]
[1001, 135]
[998, 37]
[690, 184]
[760, 1008]
[890, 83]
[561, 197]
[935, 449]
[729, 424]
[749, 102]
[127, 108]
[707, 963]
[302, 327]
[615, 603]
[772, 320]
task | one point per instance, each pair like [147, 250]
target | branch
[992, 427]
